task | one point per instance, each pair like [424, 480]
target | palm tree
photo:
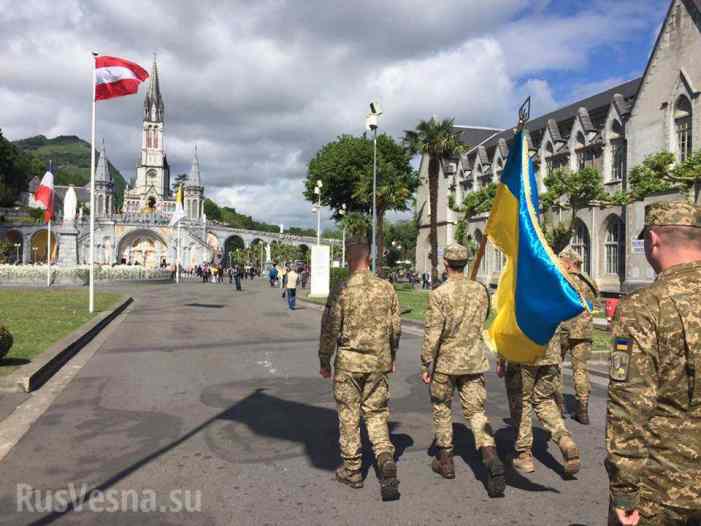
[439, 141]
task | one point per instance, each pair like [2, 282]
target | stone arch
[39, 246]
[143, 247]
[16, 238]
[581, 243]
[231, 244]
[613, 237]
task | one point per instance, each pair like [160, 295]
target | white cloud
[260, 86]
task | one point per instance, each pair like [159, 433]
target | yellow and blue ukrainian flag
[535, 293]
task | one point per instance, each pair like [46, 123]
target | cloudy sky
[261, 86]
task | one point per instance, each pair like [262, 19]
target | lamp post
[17, 245]
[372, 123]
[34, 254]
[343, 211]
[317, 191]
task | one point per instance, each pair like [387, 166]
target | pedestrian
[237, 277]
[577, 338]
[273, 275]
[539, 382]
[653, 432]
[453, 348]
[292, 277]
[361, 325]
[283, 285]
[231, 275]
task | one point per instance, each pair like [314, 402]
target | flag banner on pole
[116, 77]
[44, 195]
[179, 210]
[535, 293]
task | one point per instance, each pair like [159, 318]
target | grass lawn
[37, 318]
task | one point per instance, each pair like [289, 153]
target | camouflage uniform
[539, 382]
[653, 434]
[5, 340]
[453, 346]
[361, 324]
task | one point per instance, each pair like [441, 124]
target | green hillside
[71, 160]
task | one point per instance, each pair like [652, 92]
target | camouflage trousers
[473, 394]
[366, 395]
[539, 385]
[655, 514]
[580, 350]
[512, 380]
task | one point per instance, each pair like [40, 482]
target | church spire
[154, 108]
[194, 179]
[102, 172]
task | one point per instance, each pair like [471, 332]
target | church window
[618, 160]
[613, 245]
[581, 245]
[148, 138]
[155, 138]
[682, 125]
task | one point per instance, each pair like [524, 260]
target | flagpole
[92, 192]
[177, 258]
[48, 256]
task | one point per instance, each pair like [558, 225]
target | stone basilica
[613, 132]
[139, 233]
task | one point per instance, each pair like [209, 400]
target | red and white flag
[116, 77]
[45, 195]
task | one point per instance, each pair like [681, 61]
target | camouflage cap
[671, 213]
[571, 255]
[455, 253]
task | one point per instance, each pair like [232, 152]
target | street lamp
[317, 191]
[372, 122]
[17, 245]
[34, 254]
[342, 212]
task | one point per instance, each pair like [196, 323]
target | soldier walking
[511, 372]
[361, 324]
[454, 349]
[577, 338]
[653, 434]
[539, 383]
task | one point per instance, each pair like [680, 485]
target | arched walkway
[142, 247]
[39, 246]
[15, 238]
[231, 246]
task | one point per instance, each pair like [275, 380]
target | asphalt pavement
[208, 401]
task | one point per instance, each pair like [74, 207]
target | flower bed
[77, 275]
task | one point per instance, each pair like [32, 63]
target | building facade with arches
[612, 132]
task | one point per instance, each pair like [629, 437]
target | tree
[571, 191]
[439, 141]
[212, 210]
[661, 173]
[475, 203]
[345, 167]
[179, 179]
[16, 170]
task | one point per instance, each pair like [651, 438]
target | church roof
[194, 178]
[102, 172]
[154, 109]
[474, 135]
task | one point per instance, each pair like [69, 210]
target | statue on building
[70, 204]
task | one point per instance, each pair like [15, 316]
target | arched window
[581, 244]
[499, 260]
[618, 152]
[148, 137]
[155, 138]
[682, 128]
[613, 246]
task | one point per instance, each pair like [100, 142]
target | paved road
[207, 390]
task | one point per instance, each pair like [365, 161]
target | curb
[33, 375]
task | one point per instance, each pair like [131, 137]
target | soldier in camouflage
[653, 434]
[453, 348]
[577, 337]
[511, 372]
[539, 383]
[361, 325]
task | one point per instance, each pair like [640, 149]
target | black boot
[582, 413]
[496, 483]
[389, 485]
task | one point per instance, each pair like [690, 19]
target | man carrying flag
[535, 295]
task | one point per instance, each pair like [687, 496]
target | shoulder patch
[620, 359]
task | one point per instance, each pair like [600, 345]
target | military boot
[443, 464]
[582, 413]
[496, 484]
[560, 401]
[354, 479]
[524, 462]
[571, 455]
[389, 485]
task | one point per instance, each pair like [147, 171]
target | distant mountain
[71, 160]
